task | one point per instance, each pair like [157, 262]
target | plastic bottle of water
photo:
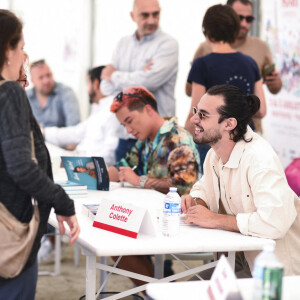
[267, 274]
[171, 213]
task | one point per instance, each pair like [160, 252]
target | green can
[272, 283]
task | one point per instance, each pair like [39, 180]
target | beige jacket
[255, 190]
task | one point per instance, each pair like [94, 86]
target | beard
[242, 33]
[208, 137]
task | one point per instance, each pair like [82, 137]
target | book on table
[74, 190]
[88, 171]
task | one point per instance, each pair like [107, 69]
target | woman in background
[224, 65]
[20, 177]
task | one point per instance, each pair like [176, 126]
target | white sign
[280, 28]
[223, 282]
[123, 218]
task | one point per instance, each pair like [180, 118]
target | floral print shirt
[172, 154]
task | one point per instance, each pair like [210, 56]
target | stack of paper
[74, 190]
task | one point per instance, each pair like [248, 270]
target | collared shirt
[61, 108]
[131, 56]
[96, 136]
[253, 187]
[172, 154]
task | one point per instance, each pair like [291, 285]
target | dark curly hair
[237, 105]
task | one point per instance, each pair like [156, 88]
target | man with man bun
[244, 188]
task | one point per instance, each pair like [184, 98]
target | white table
[194, 290]
[96, 242]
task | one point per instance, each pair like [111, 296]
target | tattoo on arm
[159, 184]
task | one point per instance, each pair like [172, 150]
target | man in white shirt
[148, 58]
[244, 188]
[96, 136]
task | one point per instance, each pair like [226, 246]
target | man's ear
[230, 124]
[149, 109]
[132, 16]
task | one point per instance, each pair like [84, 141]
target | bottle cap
[173, 189]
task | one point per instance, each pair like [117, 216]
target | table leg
[231, 259]
[90, 279]
[57, 253]
[159, 266]
[103, 273]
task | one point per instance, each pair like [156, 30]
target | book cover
[89, 171]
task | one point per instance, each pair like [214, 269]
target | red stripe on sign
[114, 229]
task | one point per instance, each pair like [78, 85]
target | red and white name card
[223, 284]
[124, 218]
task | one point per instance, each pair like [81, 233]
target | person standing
[224, 65]
[52, 103]
[21, 179]
[249, 45]
[148, 58]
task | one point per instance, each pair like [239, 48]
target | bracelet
[195, 199]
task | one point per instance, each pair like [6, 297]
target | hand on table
[73, 225]
[200, 215]
[187, 201]
[126, 174]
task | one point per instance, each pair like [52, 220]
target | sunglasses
[249, 19]
[119, 97]
[145, 100]
[201, 114]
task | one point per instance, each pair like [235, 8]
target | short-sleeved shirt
[225, 68]
[172, 154]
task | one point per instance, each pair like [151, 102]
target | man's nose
[244, 23]
[128, 129]
[151, 19]
[195, 119]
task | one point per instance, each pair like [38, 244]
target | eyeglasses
[145, 100]
[119, 97]
[23, 81]
[249, 19]
[201, 114]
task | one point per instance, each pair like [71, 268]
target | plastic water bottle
[267, 274]
[171, 213]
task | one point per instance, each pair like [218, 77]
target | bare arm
[159, 184]
[259, 92]
[197, 213]
[113, 174]
[198, 90]
[203, 217]
[188, 89]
